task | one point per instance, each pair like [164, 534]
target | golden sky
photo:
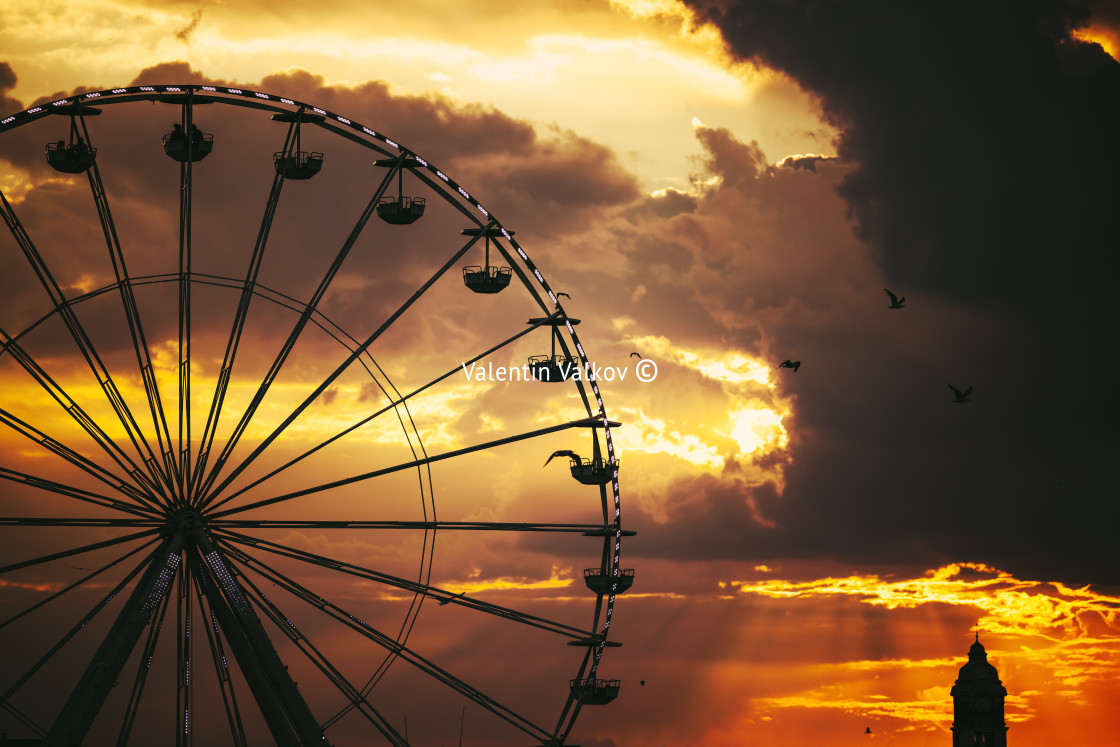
[816, 547]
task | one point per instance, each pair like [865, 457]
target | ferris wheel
[232, 436]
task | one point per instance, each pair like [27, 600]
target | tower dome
[978, 668]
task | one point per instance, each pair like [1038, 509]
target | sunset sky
[719, 186]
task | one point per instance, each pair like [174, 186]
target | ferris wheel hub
[185, 521]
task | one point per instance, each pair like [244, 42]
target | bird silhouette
[867, 731]
[642, 683]
[633, 354]
[896, 302]
[790, 364]
[564, 452]
[448, 599]
[960, 397]
[565, 295]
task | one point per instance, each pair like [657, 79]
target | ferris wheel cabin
[73, 158]
[486, 278]
[298, 165]
[594, 471]
[595, 691]
[600, 582]
[400, 210]
[293, 162]
[182, 147]
[552, 367]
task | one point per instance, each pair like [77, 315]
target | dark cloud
[983, 140]
[7, 83]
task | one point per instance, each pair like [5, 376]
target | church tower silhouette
[978, 703]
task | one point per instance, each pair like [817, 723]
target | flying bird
[642, 683]
[565, 295]
[564, 452]
[868, 730]
[790, 364]
[960, 397]
[896, 302]
[633, 354]
[448, 599]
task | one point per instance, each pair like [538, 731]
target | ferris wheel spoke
[102, 604]
[25, 720]
[221, 666]
[391, 406]
[50, 444]
[79, 582]
[77, 550]
[247, 291]
[584, 423]
[74, 410]
[341, 368]
[441, 595]
[63, 307]
[352, 694]
[470, 526]
[143, 667]
[401, 651]
[42, 521]
[132, 313]
[71, 492]
[294, 335]
[186, 190]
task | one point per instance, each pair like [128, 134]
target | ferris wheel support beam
[221, 666]
[184, 645]
[101, 675]
[251, 643]
[78, 333]
[143, 667]
[293, 336]
[341, 368]
[136, 330]
[352, 694]
[238, 327]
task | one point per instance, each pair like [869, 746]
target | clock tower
[978, 703]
